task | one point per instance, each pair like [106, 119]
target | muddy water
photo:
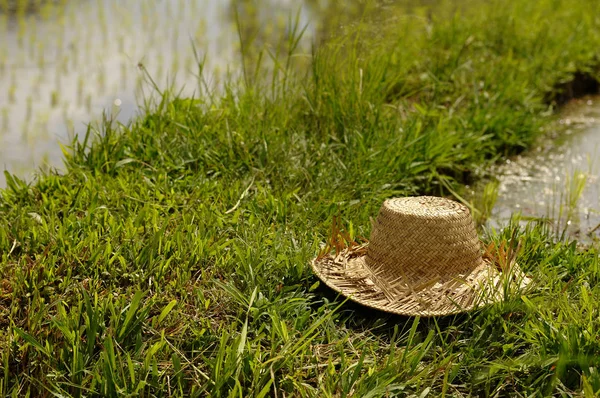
[62, 66]
[558, 182]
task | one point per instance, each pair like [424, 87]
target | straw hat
[424, 258]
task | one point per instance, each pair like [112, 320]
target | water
[62, 65]
[559, 183]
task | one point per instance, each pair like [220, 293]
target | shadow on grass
[363, 318]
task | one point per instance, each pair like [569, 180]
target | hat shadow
[382, 322]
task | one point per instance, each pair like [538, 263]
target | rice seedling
[563, 208]
[4, 118]
[12, 90]
[88, 103]
[484, 202]
[54, 99]
[575, 185]
[29, 111]
[2, 64]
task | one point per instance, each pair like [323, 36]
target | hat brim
[348, 274]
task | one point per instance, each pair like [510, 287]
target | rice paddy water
[64, 63]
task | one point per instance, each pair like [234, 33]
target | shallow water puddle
[66, 62]
[559, 183]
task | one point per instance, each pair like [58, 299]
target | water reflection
[560, 183]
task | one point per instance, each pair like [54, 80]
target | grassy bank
[171, 259]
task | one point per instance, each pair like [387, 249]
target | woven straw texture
[424, 258]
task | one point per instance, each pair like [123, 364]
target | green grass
[25, 6]
[171, 258]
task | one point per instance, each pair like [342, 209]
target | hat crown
[417, 239]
